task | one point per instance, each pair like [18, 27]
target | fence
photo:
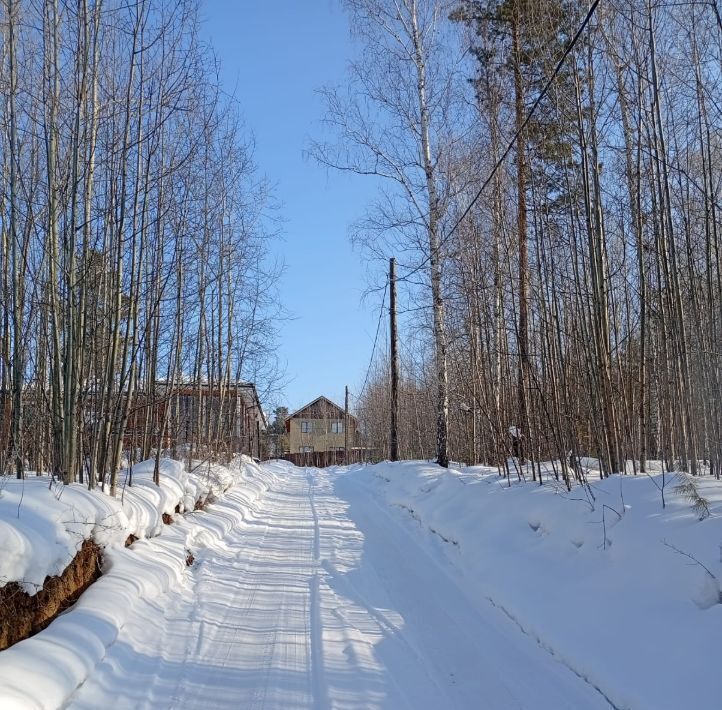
[321, 459]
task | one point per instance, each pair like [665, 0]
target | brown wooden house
[201, 416]
[317, 433]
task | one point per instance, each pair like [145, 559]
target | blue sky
[274, 56]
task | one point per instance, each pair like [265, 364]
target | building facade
[320, 426]
[193, 414]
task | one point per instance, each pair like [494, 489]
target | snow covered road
[326, 598]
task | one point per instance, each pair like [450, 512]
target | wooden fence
[321, 459]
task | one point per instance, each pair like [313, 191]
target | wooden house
[201, 416]
[320, 426]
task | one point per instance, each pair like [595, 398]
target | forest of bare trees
[554, 209]
[549, 177]
[133, 251]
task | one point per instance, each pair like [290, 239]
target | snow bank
[632, 610]
[43, 671]
[43, 523]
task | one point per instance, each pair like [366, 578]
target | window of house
[306, 449]
[337, 427]
[306, 427]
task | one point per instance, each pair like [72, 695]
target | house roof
[247, 391]
[316, 401]
[255, 400]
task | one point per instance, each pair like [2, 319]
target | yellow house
[320, 426]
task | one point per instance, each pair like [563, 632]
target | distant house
[234, 412]
[229, 416]
[188, 417]
[319, 427]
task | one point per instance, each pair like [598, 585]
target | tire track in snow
[325, 598]
[318, 677]
[450, 605]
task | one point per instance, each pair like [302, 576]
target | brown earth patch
[167, 518]
[22, 615]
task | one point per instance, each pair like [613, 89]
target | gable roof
[317, 401]
[255, 400]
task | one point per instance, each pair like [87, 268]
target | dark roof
[317, 401]
[247, 391]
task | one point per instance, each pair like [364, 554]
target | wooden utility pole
[394, 438]
[345, 429]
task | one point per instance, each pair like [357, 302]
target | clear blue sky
[274, 56]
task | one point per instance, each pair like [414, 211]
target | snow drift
[43, 671]
[623, 591]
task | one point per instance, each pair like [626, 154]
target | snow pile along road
[36, 511]
[44, 670]
[636, 611]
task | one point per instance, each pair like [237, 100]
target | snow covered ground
[638, 614]
[398, 585]
[38, 509]
[42, 526]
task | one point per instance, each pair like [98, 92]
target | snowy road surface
[326, 598]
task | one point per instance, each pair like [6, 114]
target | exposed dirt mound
[22, 615]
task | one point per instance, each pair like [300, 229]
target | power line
[376, 339]
[498, 164]
[515, 137]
